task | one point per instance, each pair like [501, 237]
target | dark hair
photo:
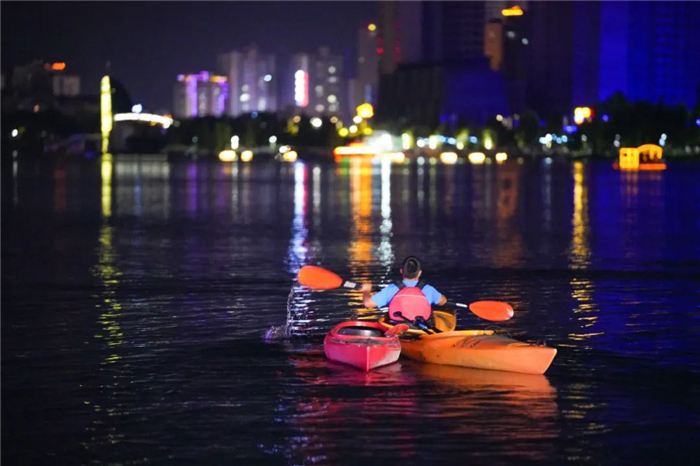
[410, 267]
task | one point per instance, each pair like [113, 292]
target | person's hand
[366, 287]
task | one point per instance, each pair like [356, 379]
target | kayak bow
[364, 345]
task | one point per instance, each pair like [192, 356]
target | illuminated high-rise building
[367, 63]
[252, 81]
[456, 30]
[648, 50]
[199, 95]
[318, 82]
[413, 32]
[400, 34]
[63, 83]
[328, 83]
[363, 88]
[583, 52]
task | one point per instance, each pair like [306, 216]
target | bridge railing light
[147, 117]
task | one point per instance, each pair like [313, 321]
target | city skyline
[93, 34]
[421, 63]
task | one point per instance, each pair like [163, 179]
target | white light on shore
[448, 158]
[477, 158]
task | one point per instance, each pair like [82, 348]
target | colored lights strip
[148, 117]
[355, 150]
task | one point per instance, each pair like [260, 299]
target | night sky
[150, 43]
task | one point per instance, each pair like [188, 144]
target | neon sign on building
[301, 88]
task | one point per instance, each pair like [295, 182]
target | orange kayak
[479, 349]
[361, 344]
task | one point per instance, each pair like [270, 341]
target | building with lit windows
[199, 95]
[39, 86]
[62, 82]
[252, 79]
[319, 83]
[414, 32]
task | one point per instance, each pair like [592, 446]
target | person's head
[411, 268]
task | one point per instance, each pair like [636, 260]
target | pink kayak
[362, 344]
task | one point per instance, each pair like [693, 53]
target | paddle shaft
[462, 305]
[351, 285]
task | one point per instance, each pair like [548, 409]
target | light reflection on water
[140, 289]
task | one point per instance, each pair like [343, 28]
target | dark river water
[144, 302]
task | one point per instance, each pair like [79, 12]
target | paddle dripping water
[281, 332]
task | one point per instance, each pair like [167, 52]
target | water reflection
[298, 248]
[510, 243]
[109, 310]
[361, 205]
[341, 408]
[300, 318]
[153, 329]
[579, 257]
[106, 178]
[586, 310]
[60, 189]
[385, 252]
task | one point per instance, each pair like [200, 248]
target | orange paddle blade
[496, 311]
[318, 278]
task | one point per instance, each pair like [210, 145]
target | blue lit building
[583, 52]
[429, 94]
[650, 51]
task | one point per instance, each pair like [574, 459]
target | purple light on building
[222, 98]
[192, 95]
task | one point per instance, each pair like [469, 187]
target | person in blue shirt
[408, 298]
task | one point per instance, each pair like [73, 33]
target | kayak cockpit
[361, 331]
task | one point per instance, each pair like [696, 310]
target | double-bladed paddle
[319, 278]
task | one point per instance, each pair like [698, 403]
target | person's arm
[366, 296]
[434, 296]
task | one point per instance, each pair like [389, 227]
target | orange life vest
[410, 302]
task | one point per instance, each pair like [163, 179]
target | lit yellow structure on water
[644, 157]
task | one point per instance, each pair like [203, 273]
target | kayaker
[410, 297]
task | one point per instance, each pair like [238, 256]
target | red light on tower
[380, 50]
[60, 66]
